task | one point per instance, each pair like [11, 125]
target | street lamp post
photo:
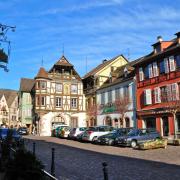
[4, 56]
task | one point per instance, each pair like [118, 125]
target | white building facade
[106, 97]
[59, 97]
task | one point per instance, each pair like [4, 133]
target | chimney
[104, 61]
[159, 39]
[178, 37]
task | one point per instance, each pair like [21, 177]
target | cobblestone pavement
[83, 161]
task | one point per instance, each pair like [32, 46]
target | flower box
[153, 144]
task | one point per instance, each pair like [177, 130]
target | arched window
[116, 122]
[127, 121]
[108, 121]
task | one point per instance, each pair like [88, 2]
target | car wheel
[133, 143]
[110, 143]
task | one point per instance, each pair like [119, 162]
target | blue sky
[96, 29]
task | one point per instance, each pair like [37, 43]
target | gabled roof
[101, 66]
[119, 74]
[63, 62]
[10, 95]
[26, 85]
[42, 74]
[174, 45]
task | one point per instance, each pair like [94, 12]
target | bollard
[34, 148]
[105, 170]
[52, 164]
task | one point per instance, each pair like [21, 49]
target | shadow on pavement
[75, 163]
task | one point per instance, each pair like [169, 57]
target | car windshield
[82, 129]
[92, 129]
[132, 133]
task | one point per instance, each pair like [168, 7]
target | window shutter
[157, 94]
[171, 63]
[175, 91]
[150, 70]
[166, 65]
[141, 74]
[169, 94]
[148, 96]
[155, 69]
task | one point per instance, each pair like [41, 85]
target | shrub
[24, 166]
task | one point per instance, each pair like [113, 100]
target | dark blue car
[136, 136]
[4, 133]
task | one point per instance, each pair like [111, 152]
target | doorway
[165, 126]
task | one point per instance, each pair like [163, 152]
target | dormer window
[125, 72]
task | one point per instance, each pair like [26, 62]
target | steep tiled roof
[101, 66]
[63, 62]
[174, 45]
[26, 85]
[10, 95]
[42, 74]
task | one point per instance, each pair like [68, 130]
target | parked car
[109, 139]
[136, 136]
[79, 136]
[75, 131]
[4, 133]
[64, 132]
[55, 131]
[92, 133]
[22, 131]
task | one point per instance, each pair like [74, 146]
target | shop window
[150, 122]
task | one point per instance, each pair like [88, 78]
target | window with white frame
[169, 64]
[58, 87]
[150, 68]
[141, 74]
[103, 98]
[157, 95]
[41, 84]
[126, 91]
[174, 91]
[109, 96]
[74, 88]
[43, 100]
[117, 93]
[73, 102]
[147, 97]
[155, 69]
[172, 66]
[58, 102]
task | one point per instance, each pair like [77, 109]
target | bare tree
[92, 112]
[171, 102]
[122, 106]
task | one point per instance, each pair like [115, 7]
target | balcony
[159, 79]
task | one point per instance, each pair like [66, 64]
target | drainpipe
[174, 120]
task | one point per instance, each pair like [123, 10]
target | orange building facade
[158, 88]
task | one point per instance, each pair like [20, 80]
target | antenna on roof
[86, 64]
[63, 49]
[42, 62]
[128, 54]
